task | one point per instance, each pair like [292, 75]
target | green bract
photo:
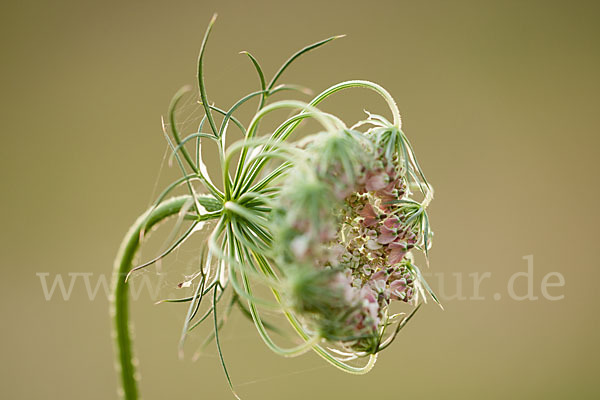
[326, 222]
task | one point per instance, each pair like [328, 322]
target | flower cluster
[345, 234]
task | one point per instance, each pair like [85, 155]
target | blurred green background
[499, 98]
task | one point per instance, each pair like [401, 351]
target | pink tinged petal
[392, 185]
[376, 182]
[368, 213]
[370, 222]
[398, 285]
[398, 245]
[411, 237]
[386, 236]
[388, 190]
[395, 276]
[379, 275]
[397, 253]
[396, 256]
[392, 222]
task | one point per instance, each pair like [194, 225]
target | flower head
[359, 203]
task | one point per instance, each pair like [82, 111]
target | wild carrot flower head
[346, 235]
[329, 223]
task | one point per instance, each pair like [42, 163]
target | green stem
[119, 306]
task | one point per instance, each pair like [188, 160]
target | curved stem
[119, 305]
[362, 84]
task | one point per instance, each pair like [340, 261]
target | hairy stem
[119, 307]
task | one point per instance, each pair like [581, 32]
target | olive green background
[499, 98]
